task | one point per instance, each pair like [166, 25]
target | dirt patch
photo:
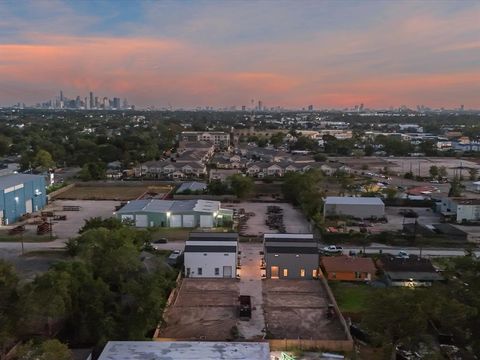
[205, 309]
[298, 309]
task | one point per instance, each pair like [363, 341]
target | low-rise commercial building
[21, 194]
[291, 256]
[461, 209]
[175, 214]
[409, 272]
[211, 255]
[357, 207]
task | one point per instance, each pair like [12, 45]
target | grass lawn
[27, 237]
[352, 298]
[113, 192]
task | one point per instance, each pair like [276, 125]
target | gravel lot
[293, 219]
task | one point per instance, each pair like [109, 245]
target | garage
[141, 220]
[176, 221]
[206, 221]
[188, 221]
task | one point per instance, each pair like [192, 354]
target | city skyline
[204, 53]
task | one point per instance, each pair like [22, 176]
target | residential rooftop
[348, 264]
[185, 350]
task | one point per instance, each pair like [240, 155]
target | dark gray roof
[292, 240]
[10, 180]
[210, 248]
[291, 249]
[213, 236]
[414, 275]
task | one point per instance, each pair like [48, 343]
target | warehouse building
[175, 213]
[211, 255]
[357, 207]
[291, 256]
[21, 194]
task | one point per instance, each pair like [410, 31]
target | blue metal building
[21, 194]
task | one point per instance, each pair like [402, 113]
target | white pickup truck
[332, 250]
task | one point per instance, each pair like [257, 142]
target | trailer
[245, 308]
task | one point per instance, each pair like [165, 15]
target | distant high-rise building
[260, 105]
[243, 107]
[86, 104]
[92, 104]
[116, 103]
[97, 103]
[61, 95]
[310, 107]
[125, 104]
[78, 102]
[105, 103]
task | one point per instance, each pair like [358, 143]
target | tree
[442, 172]
[433, 171]
[46, 350]
[241, 185]
[473, 172]
[4, 145]
[217, 187]
[92, 171]
[8, 304]
[395, 316]
[43, 160]
[456, 187]
[408, 175]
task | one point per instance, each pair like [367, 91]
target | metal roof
[288, 236]
[212, 236]
[291, 249]
[210, 248]
[162, 206]
[10, 180]
[185, 350]
[350, 200]
[192, 186]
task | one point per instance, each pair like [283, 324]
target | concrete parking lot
[76, 219]
[426, 216]
[294, 220]
[205, 309]
[297, 309]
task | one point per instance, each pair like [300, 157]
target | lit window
[285, 272]
[302, 272]
[314, 273]
[276, 255]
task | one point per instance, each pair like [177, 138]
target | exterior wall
[293, 264]
[13, 200]
[468, 212]
[355, 210]
[162, 220]
[348, 276]
[208, 262]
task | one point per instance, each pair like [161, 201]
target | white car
[402, 254]
[332, 249]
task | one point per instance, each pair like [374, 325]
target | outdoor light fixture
[168, 213]
[16, 199]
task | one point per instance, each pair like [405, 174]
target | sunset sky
[223, 53]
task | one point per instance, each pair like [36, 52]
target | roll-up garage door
[206, 221]
[28, 206]
[141, 221]
[176, 221]
[188, 221]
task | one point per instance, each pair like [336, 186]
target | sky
[330, 54]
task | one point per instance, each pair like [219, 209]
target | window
[217, 271]
[285, 272]
[199, 271]
[314, 273]
[302, 272]
[188, 272]
[358, 275]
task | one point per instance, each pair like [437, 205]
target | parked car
[332, 249]
[161, 241]
[175, 257]
[402, 254]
